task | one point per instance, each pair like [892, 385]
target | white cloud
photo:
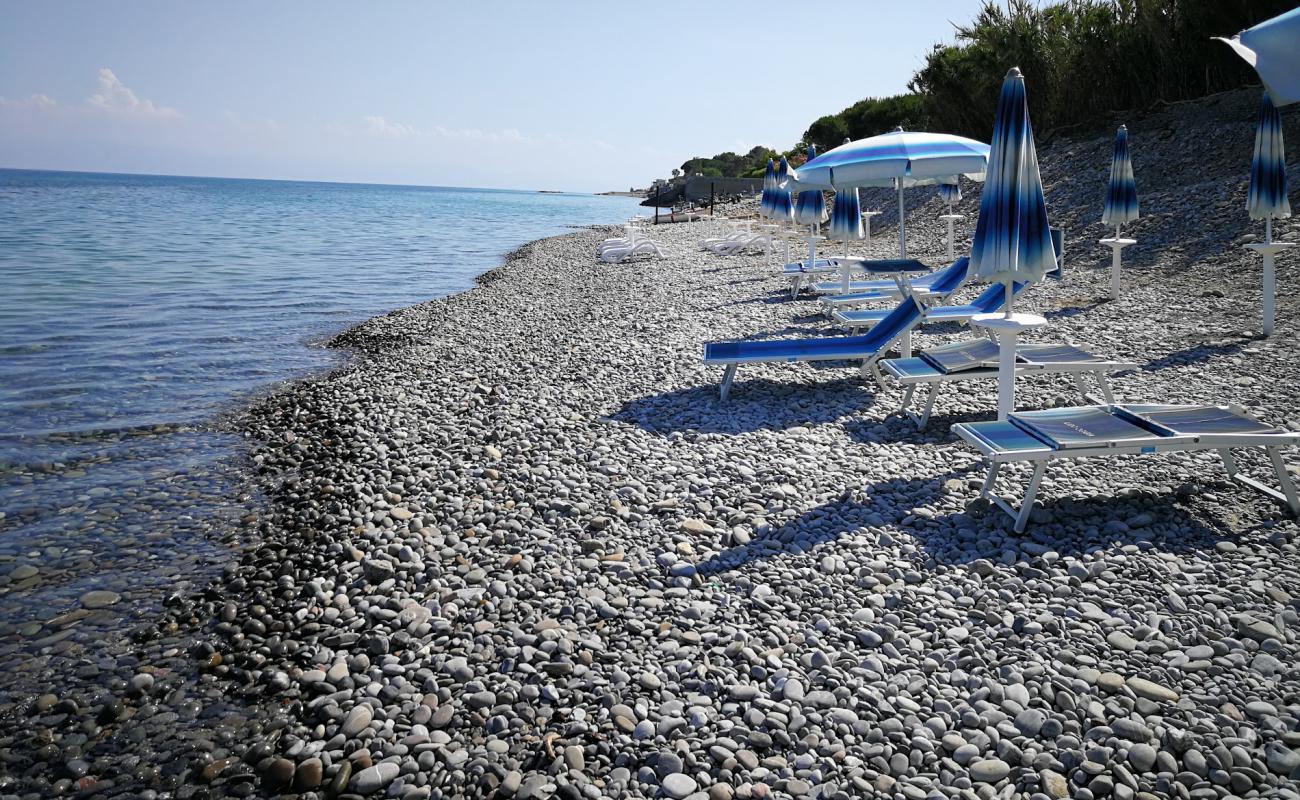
[380, 126]
[39, 102]
[601, 144]
[116, 97]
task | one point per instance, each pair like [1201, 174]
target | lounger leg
[1027, 505]
[1284, 478]
[794, 287]
[929, 406]
[990, 478]
[1081, 386]
[727, 377]
[1104, 383]
[907, 399]
[905, 344]
[870, 367]
[1229, 463]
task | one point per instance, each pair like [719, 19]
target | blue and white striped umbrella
[782, 200]
[846, 216]
[1267, 196]
[1013, 242]
[1270, 47]
[950, 193]
[769, 179]
[900, 159]
[1121, 193]
[810, 205]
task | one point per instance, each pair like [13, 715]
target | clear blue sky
[582, 96]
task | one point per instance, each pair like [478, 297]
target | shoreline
[518, 548]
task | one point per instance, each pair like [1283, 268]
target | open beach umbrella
[1271, 48]
[810, 205]
[1012, 241]
[1121, 193]
[899, 159]
[1266, 199]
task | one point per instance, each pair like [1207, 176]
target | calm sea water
[134, 308]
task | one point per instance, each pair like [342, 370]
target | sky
[576, 96]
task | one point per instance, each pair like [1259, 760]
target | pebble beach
[517, 547]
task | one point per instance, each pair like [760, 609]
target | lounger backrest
[992, 299]
[951, 277]
[904, 317]
[1058, 247]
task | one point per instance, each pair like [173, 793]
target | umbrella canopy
[1270, 47]
[899, 158]
[810, 205]
[950, 192]
[1012, 240]
[1121, 194]
[1267, 196]
[917, 158]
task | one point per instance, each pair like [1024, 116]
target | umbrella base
[1116, 246]
[1007, 329]
[1268, 250]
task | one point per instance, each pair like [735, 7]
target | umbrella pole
[1270, 279]
[902, 225]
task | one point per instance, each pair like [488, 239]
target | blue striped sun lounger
[896, 327]
[937, 285]
[977, 360]
[897, 267]
[990, 300]
[1041, 437]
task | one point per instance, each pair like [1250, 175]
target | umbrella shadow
[1198, 353]
[873, 506]
[757, 404]
[769, 300]
[981, 531]
[1065, 312]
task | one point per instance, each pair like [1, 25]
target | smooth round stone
[989, 770]
[372, 779]
[677, 785]
[1142, 756]
[100, 598]
[309, 775]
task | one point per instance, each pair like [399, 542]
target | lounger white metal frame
[1041, 456]
[907, 372]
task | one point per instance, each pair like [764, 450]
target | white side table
[866, 221]
[1116, 245]
[1008, 330]
[951, 219]
[1268, 250]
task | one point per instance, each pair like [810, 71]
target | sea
[137, 310]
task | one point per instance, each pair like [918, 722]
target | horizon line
[300, 180]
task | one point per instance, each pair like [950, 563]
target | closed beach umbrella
[1012, 241]
[899, 159]
[769, 177]
[782, 200]
[810, 205]
[1266, 199]
[950, 193]
[1271, 48]
[846, 225]
[1121, 193]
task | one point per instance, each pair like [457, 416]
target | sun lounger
[933, 286]
[1127, 429]
[733, 246]
[978, 360]
[642, 246]
[988, 301]
[896, 327]
[879, 266]
[799, 272]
